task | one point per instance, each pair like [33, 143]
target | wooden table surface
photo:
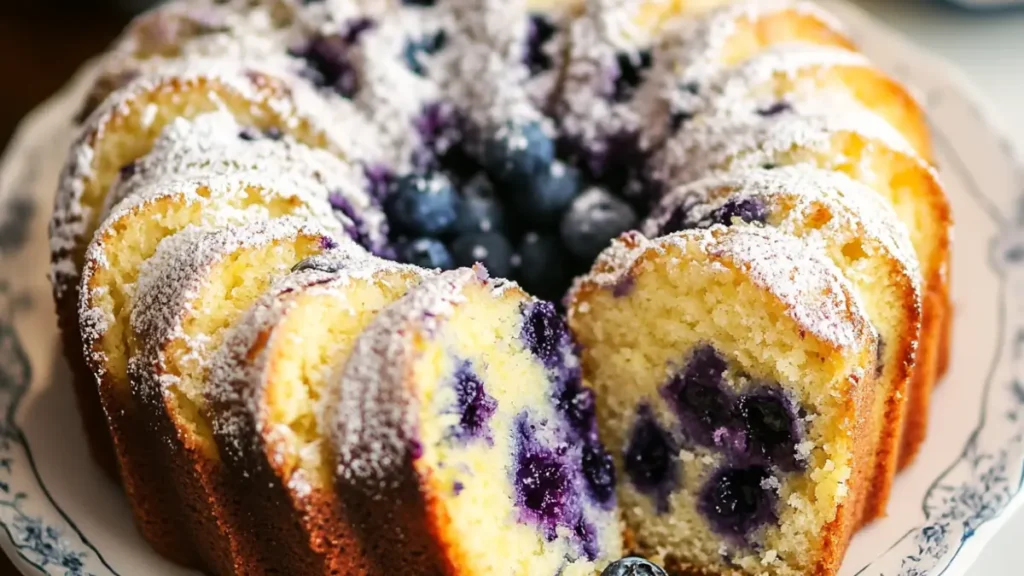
[41, 44]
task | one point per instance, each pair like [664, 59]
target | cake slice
[863, 146]
[812, 79]
[264, 391]
[463, 439]
[189, 292]
[862, 236]
[734, 371]
[124, 129]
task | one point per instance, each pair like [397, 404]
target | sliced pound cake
[189, 292]
[264, 391]
[859, 144]
[861, 234]
[735, 371]
[464, 441]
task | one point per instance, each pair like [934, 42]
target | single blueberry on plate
[651, 458]
[423, 205]
[474, 405]
[480, 210]
[488, 248]
[426, 253]
[698, 397]
[543, 198]
[772, 428]
[544, 266]
[518, 152]
[594, 220]
[632, 67]
[736, 502]
[599, 471]
[541, 31]
[633, 566]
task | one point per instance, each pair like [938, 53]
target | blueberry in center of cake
[543, 480]
[474, 405]
[699, 398]
[747, 210]
[651, 459]
[736, 502]
[771, 428]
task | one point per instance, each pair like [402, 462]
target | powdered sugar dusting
[799, 192]
[174, 276]
[813, 290]
[239, 373]
[369, 413]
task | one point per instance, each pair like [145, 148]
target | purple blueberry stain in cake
[748, 210]
[473, 405]
[772, 428]
[458, 487]
[737, 502]
[588, 538]
[624, 286]
[699, 398]
[379, 182]
[576, 403]
[546, 335]
[328, 243]
[329, 58]
[128, 170]
[631, 68]
[353, 223]
[879, 356]
[775, 109]
[546, 494]
[439, 126]
[536, 57]
[599, 472]
[651, 458]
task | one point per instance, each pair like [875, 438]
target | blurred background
[42, 42]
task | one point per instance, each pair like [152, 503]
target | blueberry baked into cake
[510, 287]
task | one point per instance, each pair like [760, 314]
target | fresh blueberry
[599, 471]
[415, 50]
[633, 566]
[541, 31]
[423, 205]
[488, 248]
[543, 198]
[517, 153]
[544, 267]
[426, 253]
[738, 501]
[480, 209]
[651, 458]
[473, 404]
[699, 399]
[632, 67]
[771, 428]
[594, 220]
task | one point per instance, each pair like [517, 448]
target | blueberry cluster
[518, 210]
[757, 432]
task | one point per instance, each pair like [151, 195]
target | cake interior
[230, 287]
[495, 443]
[312, 343]
[735, 431]
[131, 240]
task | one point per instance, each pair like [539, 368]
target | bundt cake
[296, 248]
[735, 371]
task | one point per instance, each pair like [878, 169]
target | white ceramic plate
[60, 515]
